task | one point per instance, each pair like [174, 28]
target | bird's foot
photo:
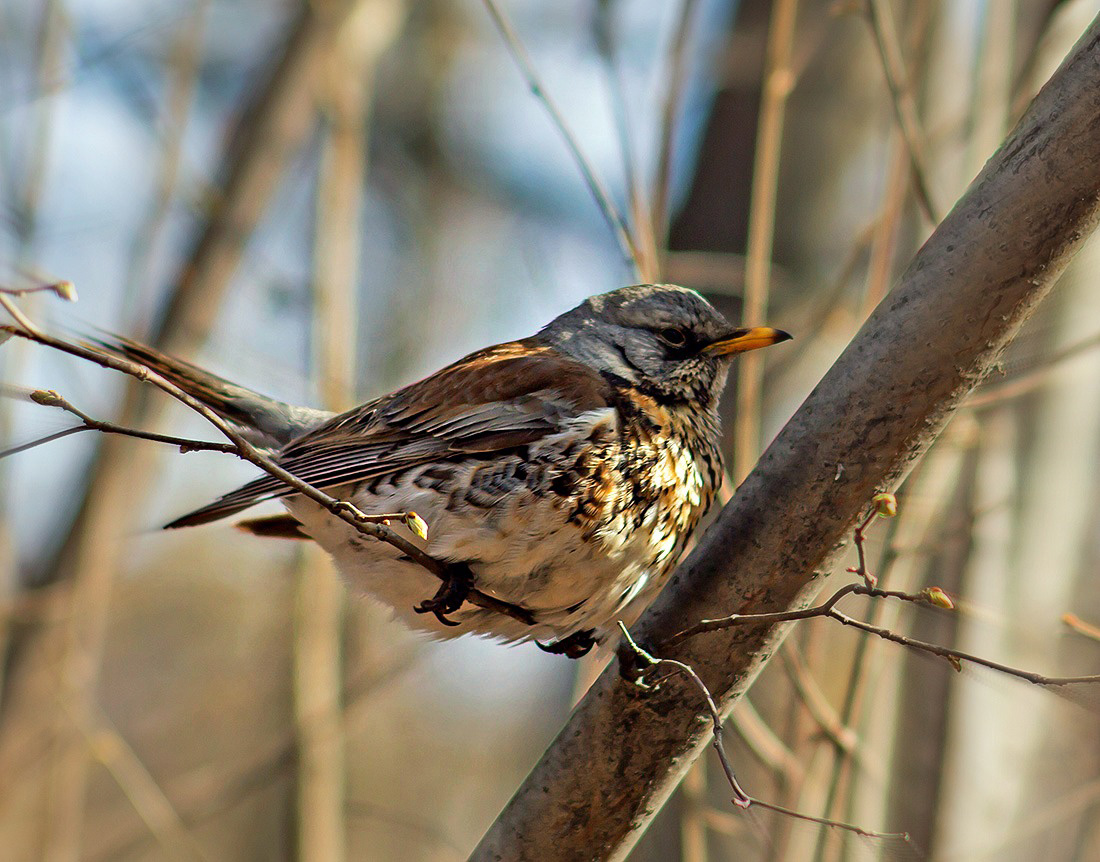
[450, 595]
[575, 645]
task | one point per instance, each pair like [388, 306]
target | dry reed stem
[269, 132]
[596, 187]
[670, 115]
[344, 92]
[778, 82]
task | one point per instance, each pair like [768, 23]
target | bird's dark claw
[450, 595]
[575, 645]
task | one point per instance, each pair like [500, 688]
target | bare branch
[599, 191]
[740, 798]
[49, 398]
[931, 596]
[956, 656]
[670, 115]
[881, 20]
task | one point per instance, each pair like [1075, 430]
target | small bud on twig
[65, 289]
[417, 525]
[936, 596]
[886, 505]
[46, 397]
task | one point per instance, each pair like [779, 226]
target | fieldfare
[561, 473]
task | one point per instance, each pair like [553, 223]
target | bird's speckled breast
[647, 485]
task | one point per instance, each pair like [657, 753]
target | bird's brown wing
[499, 398]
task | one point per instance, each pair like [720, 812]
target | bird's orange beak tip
[747, 339]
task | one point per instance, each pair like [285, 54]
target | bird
[560, 474]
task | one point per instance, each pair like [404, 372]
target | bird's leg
[575, 645]
[456, 586]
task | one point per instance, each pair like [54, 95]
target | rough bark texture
[932, 339]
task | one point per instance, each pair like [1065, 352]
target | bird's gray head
[666, 340]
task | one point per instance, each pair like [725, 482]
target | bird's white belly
[525, 552]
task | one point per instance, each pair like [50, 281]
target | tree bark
[961, 300]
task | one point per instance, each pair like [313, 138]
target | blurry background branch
[934, 337]
[271, 129]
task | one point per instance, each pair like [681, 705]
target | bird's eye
[673, 337]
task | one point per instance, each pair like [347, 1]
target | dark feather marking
[274, 527]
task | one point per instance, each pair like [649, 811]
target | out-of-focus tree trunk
[920, 728]
[344, 94]
[270, 131]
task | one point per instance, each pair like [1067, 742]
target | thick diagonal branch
[964, 296]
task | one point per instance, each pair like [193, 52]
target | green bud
[936, 596]
[46, 397]
[66, 290]
[416, 524]
[885, 505]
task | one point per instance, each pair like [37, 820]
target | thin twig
[903, 837]
[603, 199]
[817, 704]
[212, 795]
[885, 238]
[741, 798]
[183, 65]
[64, 289]
[881, 21]
[828, 609]
[674, 96]
[49, 398]
[885, 505]
[137, 784]
[860, 534]
[841, 782]
[765, 744]
[957, 656]
[1032, 378]
[641, 215]
[898, 176]
[821, 610]
[49, 438]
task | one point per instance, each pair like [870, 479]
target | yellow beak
[746, 339]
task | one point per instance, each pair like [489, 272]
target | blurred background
[325, 200]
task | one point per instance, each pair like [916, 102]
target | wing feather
[503, 397]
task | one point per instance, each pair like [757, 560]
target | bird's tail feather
[267, 422]
[264, 421]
